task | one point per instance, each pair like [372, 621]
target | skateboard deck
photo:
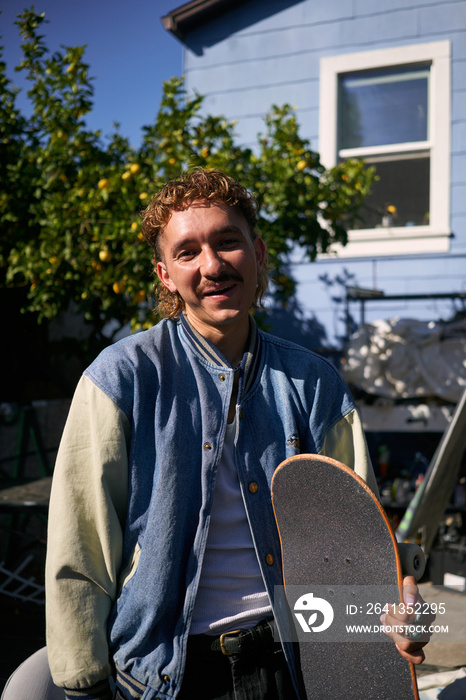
[340, 566]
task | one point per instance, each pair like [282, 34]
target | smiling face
[209, 258]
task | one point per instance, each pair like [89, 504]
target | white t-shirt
[231, 593]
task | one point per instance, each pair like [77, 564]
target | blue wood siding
[269, 52]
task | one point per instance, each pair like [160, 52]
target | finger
[409, 636]
[415, 657]
[399, 615]
[410, 591]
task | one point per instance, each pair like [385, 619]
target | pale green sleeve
[86, 519]
[346, 443]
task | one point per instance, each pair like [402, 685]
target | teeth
[218, 291]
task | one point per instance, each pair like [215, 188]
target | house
[380, 79]
[384, 80]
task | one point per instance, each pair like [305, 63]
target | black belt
[259, 638]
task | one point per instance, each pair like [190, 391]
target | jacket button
[222, 377]
[269, 559]
[253, 487]
[166, 679]
[207, 446]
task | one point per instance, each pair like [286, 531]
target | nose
[212, 263]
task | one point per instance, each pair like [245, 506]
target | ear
[165, 278]
[259, 247]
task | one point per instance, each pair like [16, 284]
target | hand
[405, 621]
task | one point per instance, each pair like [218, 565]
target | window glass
[383, 107]
[401, 195]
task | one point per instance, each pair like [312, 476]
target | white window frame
[431, 238]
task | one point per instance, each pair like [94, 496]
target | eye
[229, 242]
[185, 254]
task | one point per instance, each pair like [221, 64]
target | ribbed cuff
[99, 691]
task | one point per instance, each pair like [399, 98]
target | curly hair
[197, 185]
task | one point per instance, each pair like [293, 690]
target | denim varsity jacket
[133, 489]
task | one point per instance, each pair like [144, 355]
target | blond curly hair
[197, 185]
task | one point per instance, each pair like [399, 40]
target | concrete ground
[442, 676]
[445, 651]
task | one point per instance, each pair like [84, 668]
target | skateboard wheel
[413, 560]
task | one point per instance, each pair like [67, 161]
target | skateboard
[341, 565]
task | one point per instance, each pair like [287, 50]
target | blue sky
[129, 52]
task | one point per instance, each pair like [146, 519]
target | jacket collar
[251, 358]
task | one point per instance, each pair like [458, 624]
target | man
[162, 539]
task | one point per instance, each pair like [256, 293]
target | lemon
[105, 255]
[139, 296]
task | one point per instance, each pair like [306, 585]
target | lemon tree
[70, 200]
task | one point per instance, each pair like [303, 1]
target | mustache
[221, 279]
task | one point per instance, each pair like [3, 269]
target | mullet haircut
[197, 185]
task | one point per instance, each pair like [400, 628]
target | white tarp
[406, 358]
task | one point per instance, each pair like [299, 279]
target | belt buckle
[222, 641]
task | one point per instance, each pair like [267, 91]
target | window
[392, 108]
